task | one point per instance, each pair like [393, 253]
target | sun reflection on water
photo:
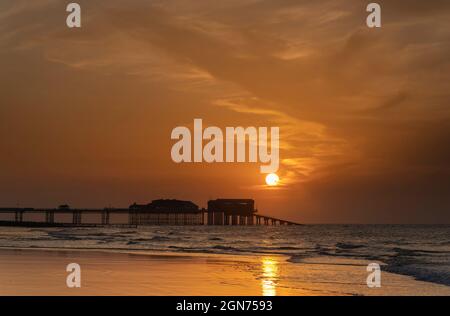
[269, 276]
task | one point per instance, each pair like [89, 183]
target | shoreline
[152, 253]
[41, 271]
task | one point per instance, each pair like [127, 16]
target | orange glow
[270, 275]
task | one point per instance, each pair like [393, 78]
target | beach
[226, 260]
[43, 272]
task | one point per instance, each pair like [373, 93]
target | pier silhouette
[220, 212]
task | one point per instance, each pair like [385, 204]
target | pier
[61, 217]
[220, 212]
[239, 212]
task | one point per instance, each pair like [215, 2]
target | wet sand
[43, 272]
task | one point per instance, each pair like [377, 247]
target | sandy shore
[43, 272]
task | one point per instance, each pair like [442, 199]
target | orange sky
[86, 114]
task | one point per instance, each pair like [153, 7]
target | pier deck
[221, 212]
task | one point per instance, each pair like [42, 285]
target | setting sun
[272, 179]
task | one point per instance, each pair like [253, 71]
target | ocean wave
[348, 245]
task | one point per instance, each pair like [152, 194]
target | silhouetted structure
[166, 212]
[158, 212]
[234, 211]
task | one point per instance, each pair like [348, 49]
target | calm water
[419, 251]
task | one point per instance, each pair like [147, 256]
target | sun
[272, 179]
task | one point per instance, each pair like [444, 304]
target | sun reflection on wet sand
[269, 276]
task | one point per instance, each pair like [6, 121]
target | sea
[420, 251]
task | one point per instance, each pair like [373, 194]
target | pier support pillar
[49, 217]
[132, 218]
[210, 218]
[250, 220]
[226, 218]
[234, 219]
[19, 216]
[105, 218]
[242, 220]
[218, 218]
[76, 217]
